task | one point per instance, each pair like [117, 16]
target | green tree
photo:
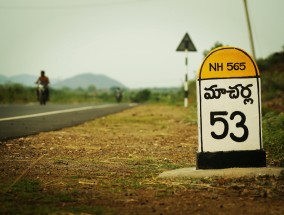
[142, 96]
[216, 45]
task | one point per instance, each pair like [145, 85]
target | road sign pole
[186, 45]
[186, 80]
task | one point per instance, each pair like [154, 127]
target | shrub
[141, 96]
[273, 135]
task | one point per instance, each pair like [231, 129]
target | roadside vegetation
[272, 87]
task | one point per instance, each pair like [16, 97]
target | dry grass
[110, 165]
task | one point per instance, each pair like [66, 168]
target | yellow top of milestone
[228, 62]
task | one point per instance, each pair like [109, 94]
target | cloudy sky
[132, 41]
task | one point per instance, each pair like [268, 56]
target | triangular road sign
[186, 43]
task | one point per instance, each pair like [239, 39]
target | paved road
[23, 120]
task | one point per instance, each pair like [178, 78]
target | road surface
[23, 120]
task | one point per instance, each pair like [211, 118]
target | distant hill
[87, 79]
[3, 79]
[83, 81]
[24, 79]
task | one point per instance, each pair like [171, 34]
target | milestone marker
[229, 111]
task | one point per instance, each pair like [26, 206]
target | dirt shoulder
[110, 166]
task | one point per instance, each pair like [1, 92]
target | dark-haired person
[44, 81]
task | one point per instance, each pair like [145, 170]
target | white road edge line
[55, 112]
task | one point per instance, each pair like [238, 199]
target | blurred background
[89, 48]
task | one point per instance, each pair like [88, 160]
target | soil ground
[110, 166]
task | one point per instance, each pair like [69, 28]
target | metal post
[249, 29]
[186, 80]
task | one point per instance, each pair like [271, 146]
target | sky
[132, 41]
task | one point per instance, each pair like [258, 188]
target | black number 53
[218, 116]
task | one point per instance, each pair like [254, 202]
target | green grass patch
[28, 197]
[273, 135]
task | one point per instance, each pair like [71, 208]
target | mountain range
[83, 81]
